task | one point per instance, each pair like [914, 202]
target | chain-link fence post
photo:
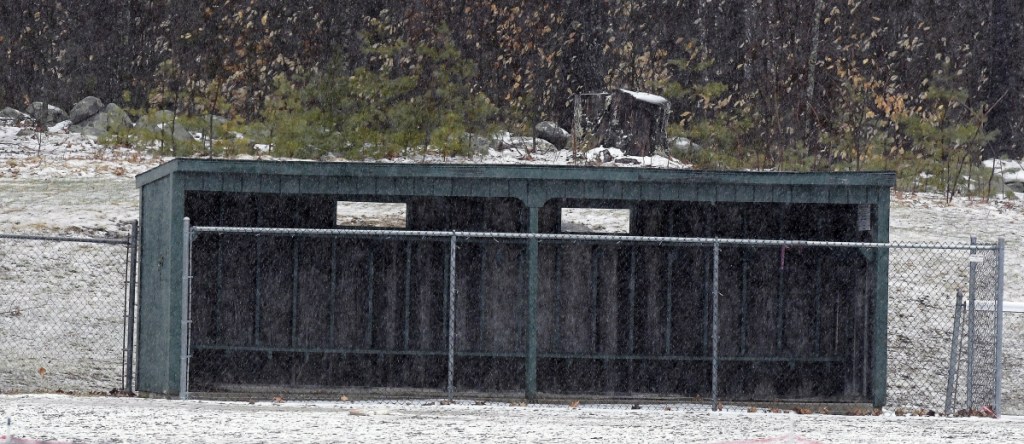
[186, 281]
[1000, 264]
[451, 319]
[532, 288]
[971, 298]
[129, 312]
[714, 326]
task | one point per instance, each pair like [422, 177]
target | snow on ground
[60, 183]
[121, 420]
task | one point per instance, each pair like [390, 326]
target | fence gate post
[186, 288]
[1000, 264]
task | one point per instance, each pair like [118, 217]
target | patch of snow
[1002, 165]
[1010, 170]
[1013, 176]
[646, 97]
[59, 126]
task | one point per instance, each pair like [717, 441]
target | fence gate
[66, 313]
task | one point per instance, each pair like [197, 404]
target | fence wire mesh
[941, 338]
[62, 313]
[696, 323]
[1013, 364]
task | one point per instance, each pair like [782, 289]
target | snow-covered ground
[129, 420]
[59, 183]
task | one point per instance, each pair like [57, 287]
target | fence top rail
[331, 232]
[88, 240]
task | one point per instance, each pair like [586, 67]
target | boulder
[600, 155]
[627, 161]
[118, 117]
[47, 114]
[12, 116]
[85, 109]
[25, 132]
[95, 125]
[525, 145]
[551, 132]
[682, 145]
[481, 145]
[1016, 187]
[110, 118]
[163, 120]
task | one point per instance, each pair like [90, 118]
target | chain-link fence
[700, 323]
[63, 313]
[1013, 359]
[943, 328]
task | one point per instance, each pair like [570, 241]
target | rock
[526, 145]
[163, 120]
[85, 109]
[481, 145]
[48, 114]
[1016, 187]
[118, 117]
[25, 132]
[551, 132]
[12, 116]
[627, 161]
[682, 145]
[603, 155]
[95, 125]
[111, 118]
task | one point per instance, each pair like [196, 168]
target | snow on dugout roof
[646, 97]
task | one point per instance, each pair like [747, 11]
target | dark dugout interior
[613, 317]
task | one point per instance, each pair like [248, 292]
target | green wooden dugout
[536, 317]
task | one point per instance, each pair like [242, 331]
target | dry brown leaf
[575, 404]
[42, 372]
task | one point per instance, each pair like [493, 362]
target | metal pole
[705, 241]
[451, 319]
[973, 270]
[714, 328]
[133, 249]
[186, 278]
[954, 352]
[1000, 264]
[531, 302]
